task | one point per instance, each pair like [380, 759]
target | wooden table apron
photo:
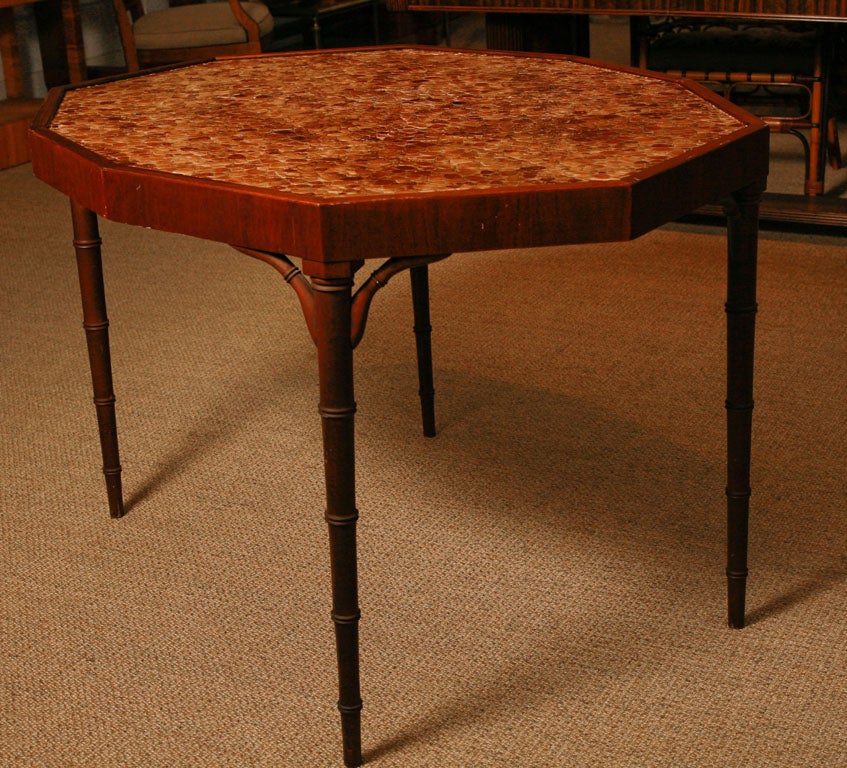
[411, 230]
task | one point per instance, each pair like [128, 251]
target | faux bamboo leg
[817, 133]
[742, 232]
[423, 342]
[337, 408]
[819, 108]
[87, 245]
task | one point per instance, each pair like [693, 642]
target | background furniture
[434, 165]
[61, 42]
[308, 16]
[779, 71]
[61, 35]
[509, 29]
[187, 30]
[16, 111]
[799, 10]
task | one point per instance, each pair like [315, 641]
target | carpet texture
[541, 584]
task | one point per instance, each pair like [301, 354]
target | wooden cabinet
[16, 112]
[60, 33]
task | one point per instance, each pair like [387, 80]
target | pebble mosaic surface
[392, 121]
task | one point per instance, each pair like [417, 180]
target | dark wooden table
[405, 155]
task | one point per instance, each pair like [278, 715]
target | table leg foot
[332, 299]
[89, 264]
[736, 591]
[742, 232]
[423, 343]
[351, 735]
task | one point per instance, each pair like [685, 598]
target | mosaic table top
[392, 121]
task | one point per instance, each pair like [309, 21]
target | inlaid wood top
[379, 122]
[338, 156]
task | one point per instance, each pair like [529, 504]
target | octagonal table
[403, 154]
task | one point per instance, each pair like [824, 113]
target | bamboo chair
[779, 71]
[186, 31]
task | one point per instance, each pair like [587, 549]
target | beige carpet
[542, 583]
